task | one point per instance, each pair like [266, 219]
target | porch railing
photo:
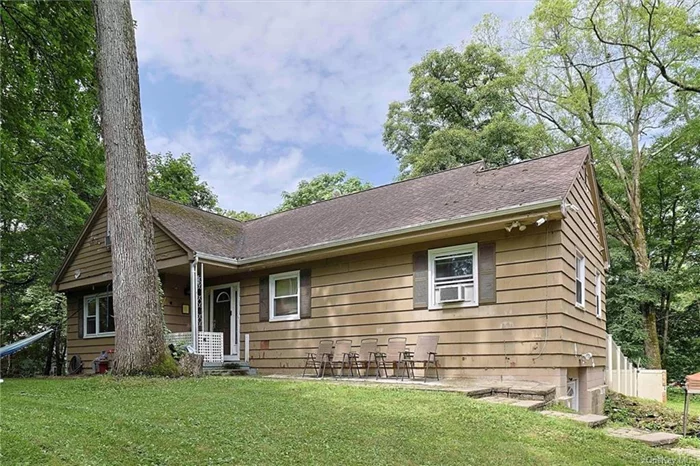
[209, 344]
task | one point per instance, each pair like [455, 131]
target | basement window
[284, 296]
[580, 280]
[98, 315]
[452, 277]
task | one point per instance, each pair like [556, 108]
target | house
[506, 265]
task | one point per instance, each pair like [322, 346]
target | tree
[175, 178]
[320, 188]
[139, 323]
[240, 215]
[51, 157]
[594, 90]
[670, 42]
[460, 110]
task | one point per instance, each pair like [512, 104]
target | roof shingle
[448, 195]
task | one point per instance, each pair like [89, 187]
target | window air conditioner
[450, 294]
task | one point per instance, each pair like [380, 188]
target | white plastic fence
[209, 344]
[620, 373]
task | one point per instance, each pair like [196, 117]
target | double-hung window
[284, 296]
[580, 280]
[453, 280]
[98, 315]
[598, 298]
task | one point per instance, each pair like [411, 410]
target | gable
[585, 227]
[91, 259]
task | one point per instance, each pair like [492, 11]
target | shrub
[647, 414]
[167, 367]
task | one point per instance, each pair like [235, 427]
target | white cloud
[300, 73]
[253, 184]
[276, 78]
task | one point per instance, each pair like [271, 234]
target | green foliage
[321, 188]
[240, 215]
[648, 414]
[167, 367]
[460, 110]
[175, 178]
[141, 420]
[50, 153]
[589, 75]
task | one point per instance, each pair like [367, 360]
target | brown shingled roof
[449, 195]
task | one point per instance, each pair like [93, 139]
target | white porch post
[194, 308]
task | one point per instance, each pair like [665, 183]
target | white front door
[224, 316]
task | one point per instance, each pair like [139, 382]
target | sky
[263, 95]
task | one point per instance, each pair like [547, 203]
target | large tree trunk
[138, 316]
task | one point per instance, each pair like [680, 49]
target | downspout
[193, 301]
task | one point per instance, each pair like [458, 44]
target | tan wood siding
[93, 259]
[370, 295]
[89, 348]
[581, 234]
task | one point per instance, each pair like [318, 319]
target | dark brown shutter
[81, 330]
[305, 290]
[487, 273]
[420, 280]
[264, 299]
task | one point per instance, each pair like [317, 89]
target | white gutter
[386, 233]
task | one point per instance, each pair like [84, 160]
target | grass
[675, 398]
[149, 421]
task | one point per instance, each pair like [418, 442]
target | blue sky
[264, 95]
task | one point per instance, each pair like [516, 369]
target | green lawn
[675, 399]
[101, 420]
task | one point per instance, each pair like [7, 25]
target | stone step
[591, 420]
[532, 405]
[692, 452]
[653, 439]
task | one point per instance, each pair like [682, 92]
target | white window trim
[281, 276]
[432, 254]
[98, 334]
[582, 279]
[598, 295]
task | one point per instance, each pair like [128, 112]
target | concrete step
[653, 439]
[228, 369]
[532, 405]
[591, 420]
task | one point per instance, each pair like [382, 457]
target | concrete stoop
[653, 439]
[590, 420]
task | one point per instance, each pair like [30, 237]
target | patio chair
[394, 354]
[341, 354]
[318, 359]
[365, 355]
[426, 353]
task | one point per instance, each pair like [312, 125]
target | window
[598, 292]
[453, 281]
[284, 296]
[580, 280]
[98, 315]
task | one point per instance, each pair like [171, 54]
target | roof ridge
[196, 208]
[373, 188]
[535, 158]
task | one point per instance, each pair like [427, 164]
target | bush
[647, 414]
[167, 367]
